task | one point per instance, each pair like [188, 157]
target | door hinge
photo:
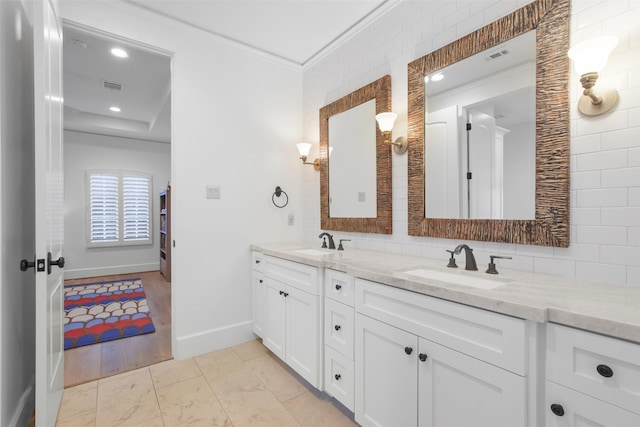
[468, 126]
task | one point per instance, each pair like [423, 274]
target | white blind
[103, 207]
[119, 208]
[135, 200]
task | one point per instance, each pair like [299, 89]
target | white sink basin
[458, 279]
[313, 252]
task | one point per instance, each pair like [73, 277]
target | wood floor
[92, 362]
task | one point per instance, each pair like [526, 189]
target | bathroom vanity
[403, 340]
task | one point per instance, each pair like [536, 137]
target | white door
[47, 51]
[386, 377]
[302, 334]
[459, 390]
[273, 332]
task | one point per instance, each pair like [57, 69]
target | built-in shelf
[165, 233]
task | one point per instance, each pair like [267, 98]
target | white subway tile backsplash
[633, 276]
[579, 252]
[622, 255]
[585, 180]
[634, 196]
[614, 120]
[585, 216]
[601, 11]
[601, 197]
[626, 216]
[612, 235]
[559, 267]
[628, 177]
[603, 273]
[634, 156]
[585, 144]
[624, 138]
[601, 160]
[634, 236]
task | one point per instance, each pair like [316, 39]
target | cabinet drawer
[495, 338]
[339, 286]
[600, 366]
[300, 276]
[339, 377]
[338, 327]
[256, 261]
[581, 410]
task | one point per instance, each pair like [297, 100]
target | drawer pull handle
[260, 280]
[286, 294]
[408, 350]
[257, 261]
[557, 409]
[338, 287]
[281, 292]
[605, 371]
[337, 327]
[337, 377]
[422, 357]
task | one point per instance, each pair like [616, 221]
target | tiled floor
[239, 386]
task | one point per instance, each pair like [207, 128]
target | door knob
[26, 264]
[59, 262]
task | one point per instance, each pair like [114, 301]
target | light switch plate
[213, 191]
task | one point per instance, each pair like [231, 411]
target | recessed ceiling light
[437, 77]
[115, 109]
[120, 53]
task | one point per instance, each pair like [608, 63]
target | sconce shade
[304, 148]
[385, 121]
[591, 56]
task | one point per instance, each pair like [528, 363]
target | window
[119, 208]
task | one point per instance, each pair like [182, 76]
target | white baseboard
[25, 407]
[82, 273]
[212, 340]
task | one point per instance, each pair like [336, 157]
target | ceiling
[294, 31]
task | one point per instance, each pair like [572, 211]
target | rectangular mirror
[355, 162]
[485, 184]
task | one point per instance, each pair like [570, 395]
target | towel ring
[279, 192]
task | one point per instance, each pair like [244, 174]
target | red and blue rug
[105, 311]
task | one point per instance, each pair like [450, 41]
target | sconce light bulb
[304, 148]
[591, 56]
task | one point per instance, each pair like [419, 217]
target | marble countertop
[608, 309]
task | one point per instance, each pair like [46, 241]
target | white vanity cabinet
[429, 362]
[591, 379]
[292, 316]
[338, 337]
[258, 293]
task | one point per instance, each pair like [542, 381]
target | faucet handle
[492, 265]
[340, 247]
[324, 242]
[452, 260]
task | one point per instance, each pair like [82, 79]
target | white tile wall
[605, 161]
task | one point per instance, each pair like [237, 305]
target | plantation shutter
[136, 200]
[103, 207]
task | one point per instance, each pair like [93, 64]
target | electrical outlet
[291, 219]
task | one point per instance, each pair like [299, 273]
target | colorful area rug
[105, 311]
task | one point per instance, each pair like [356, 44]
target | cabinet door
[459, 390]
[386, 374]
[259, 292]
[274, 317]
[573, 409]
[302, 336]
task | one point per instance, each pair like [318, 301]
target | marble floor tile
[173, 371]
[250, 350]
[219, 364]
[282, 383]
[191, 403]
[128, 399]
[315, 410]
[78, 407]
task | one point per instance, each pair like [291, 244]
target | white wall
[605, 151]
[17, 297]
[236, 120]
[83, 151]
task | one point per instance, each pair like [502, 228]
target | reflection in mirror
[352, 162]
[480, 133]
[549, 226]
[355, 162]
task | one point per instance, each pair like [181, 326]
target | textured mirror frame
[380, 90]
[550, 19]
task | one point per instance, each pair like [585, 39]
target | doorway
[117, 120]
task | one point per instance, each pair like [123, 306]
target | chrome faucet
[332, 244]
[470, 262]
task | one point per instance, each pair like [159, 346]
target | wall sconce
[589, 58]
[385, 123]
[304, 148]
